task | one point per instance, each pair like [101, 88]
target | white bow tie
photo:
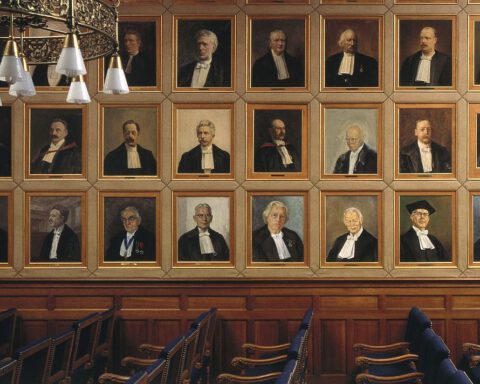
[202, 65]
[426, 149]
[202, 234]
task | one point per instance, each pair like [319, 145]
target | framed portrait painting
[55, 141]
[203, 141]
[203, 233]
[277, 229]
[425, 229]
[56, 229]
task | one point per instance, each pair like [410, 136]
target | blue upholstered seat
[446, 371]
[32, 361]
[460, 377]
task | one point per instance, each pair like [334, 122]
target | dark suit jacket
[143, 70]
[218, 76]
[40, 77]
[265, 74]
[5, 161]
[143, 246]
[3, 246]
[68, 248]
[68, 159]
[411, 161]
[366, 162]
[116, 162]
[191, 161]
[366, 248]
[410, 249]
[365, 72]
[264, 248]
[440, 70]
[267, 159]
[189, 247]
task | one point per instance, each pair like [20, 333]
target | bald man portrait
[349, 68]
[360, 158]
[277, 68]
[428, 66]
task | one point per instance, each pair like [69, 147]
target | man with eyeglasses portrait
[417, 244]
[360, 158]
[202, 243]
[135, 243]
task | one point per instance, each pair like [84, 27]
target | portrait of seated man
[424, 155]
[134, 243]
[207, 70]
[357, 245]
[139, 67]
[277, 155]
[360, 158]
[129, 158]
[428, 66]
[418, 244]
[349, 68]
[61, 244]
[278, 68]
[205, 157]
[62, 155]
[274, 242]
[202, 243]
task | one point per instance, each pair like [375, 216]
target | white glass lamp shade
[78, 93]
[115, 81]
[11, 66]
[71, 62]
[25, 86]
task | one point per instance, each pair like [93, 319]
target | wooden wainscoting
[346, 312]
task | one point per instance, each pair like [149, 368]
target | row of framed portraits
[344, 128]
[342, 213]
[141, 51]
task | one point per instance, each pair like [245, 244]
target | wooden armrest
[366, 378]
[364, 361]
[361, 348]
[251, 348]
[150, 348]
[471, 347]
[225, 378]
[243, 362]
[112, 378]
[130, 360]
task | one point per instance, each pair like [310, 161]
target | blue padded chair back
[417, 322]
[460, 377]
[434, 352]
[8, 324]
[32, 361]
[307, 319]
[201, 324]
[446, 370]
[138, 378]
[7, 371]
[155, 371]
[60, 354]
[172, 353]
[86, 333]
[297, 344]
[105, 336]
[288, 372]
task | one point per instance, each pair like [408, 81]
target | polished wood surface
[346, 312]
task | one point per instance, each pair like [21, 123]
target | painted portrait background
[114, 118]
[336, 122]
[260, 36]
[186, 44]
[367, 35]
[4, 214]
[187, 121]
[334, 208]
[40, 121]
[476, 53]
[440, 224]
[40, 207]
[292, 119]
[409, 37]
[476, 218]
[113, 206]
[478, 140]
[220, 211]
[296, 214]
[440, 118]
[6, 136]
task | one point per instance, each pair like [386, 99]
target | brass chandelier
[61, 32]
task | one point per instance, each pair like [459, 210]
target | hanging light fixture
[90, 32]
[77, 92]
[23, 87]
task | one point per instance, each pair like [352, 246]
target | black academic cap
[421, 204]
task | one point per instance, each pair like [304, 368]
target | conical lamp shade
[25, 86]
[71, 62]
[78, 92]
[115, 81]
[11, 66]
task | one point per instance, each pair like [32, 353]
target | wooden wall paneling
[31, 330]
[268, 332]
[233, 334]
[333, 348]
[459, 332]
[133, 333]
[394, 330]
[164, 331]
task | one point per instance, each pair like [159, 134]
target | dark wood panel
[163, 331]
[367, 332]
[466, 302]
[133, 333]
[32, 330]
[151, 302]
[86, 302]
[221, 302]
[333, 346]
[233, 335]
[395, 330]
[348, 302]
[286, 303]
[419, 300]
[269, 333]
[461, 331]
[21, 302]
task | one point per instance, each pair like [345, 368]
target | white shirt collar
[58, 145]
[130, 148]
